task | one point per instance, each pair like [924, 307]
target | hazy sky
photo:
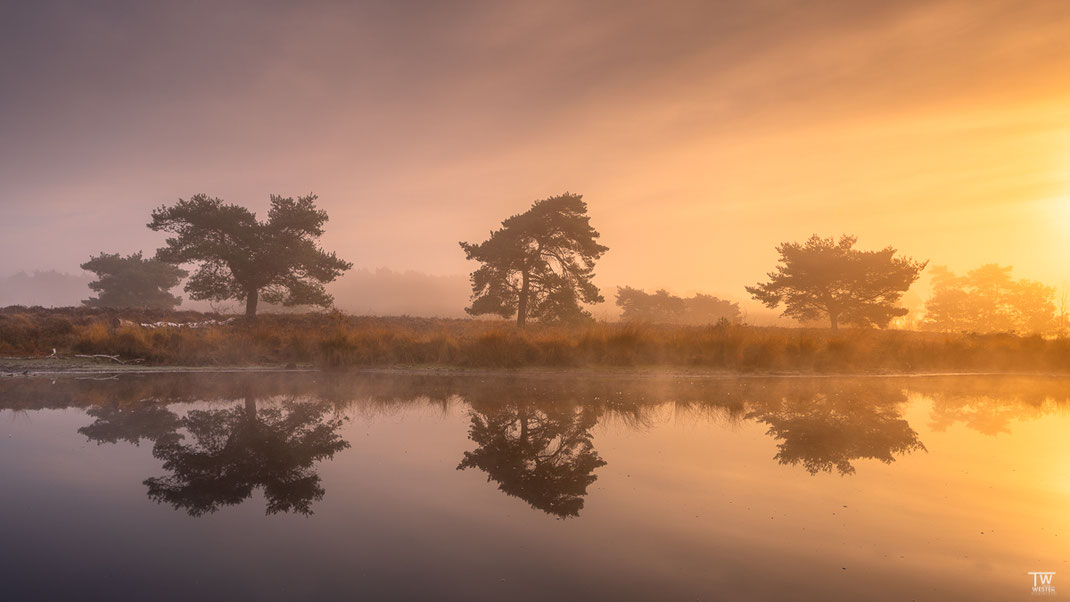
[700, 133]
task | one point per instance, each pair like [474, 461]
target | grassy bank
[337, 341]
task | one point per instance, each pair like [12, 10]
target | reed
[337, 341]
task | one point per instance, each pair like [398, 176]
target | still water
[386, 486]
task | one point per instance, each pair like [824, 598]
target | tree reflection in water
[539, 450]
[543, 456]
[220, 457]
[236, 450]
[147, 419]
[829, 430]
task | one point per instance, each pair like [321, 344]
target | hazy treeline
[989, 299]
[45, 288]
[662, 307]
[385, 292]
[984, 300]
[539, 266]
[377, 292]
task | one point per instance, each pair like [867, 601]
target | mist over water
[537, 486]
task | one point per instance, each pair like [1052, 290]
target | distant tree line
[664, 308]
[45, 288]
[539, 265]
[989, 299]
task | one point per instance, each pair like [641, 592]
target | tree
[663, 308]
[246, 259]
[988, 299]
[539, 264]
[133, 281]
[822, 277]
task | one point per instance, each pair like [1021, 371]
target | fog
[701, 134]
[377, 292]
[45, 288]
[373, 292]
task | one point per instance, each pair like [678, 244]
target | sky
[701, 134]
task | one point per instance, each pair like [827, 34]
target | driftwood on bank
[57, 356]
[114, 358]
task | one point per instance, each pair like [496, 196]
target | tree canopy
[243, 258]
[664, 308]
[539, 264]
[989, 299]
[826, 278]
[133, 281]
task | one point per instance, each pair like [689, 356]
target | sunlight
[527, 300]
[1056, 211]
[1060, 205]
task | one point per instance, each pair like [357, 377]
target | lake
[300, 486]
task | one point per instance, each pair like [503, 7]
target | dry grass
[338, 341]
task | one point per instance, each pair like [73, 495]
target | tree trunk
[834, 319]
[250, 303]
[522, 302]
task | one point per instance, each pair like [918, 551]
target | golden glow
[938, 128]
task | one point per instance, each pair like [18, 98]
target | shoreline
[64, 341]
[51, 367]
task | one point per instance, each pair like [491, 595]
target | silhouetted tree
[539, 264]
[133, 281]
[542, 456]
[236, 450]
[243, 258]
[664, 308]
[988, 299]
[823, 277]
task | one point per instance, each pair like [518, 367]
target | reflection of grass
[338, 341]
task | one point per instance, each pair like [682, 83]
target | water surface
[312, 486]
